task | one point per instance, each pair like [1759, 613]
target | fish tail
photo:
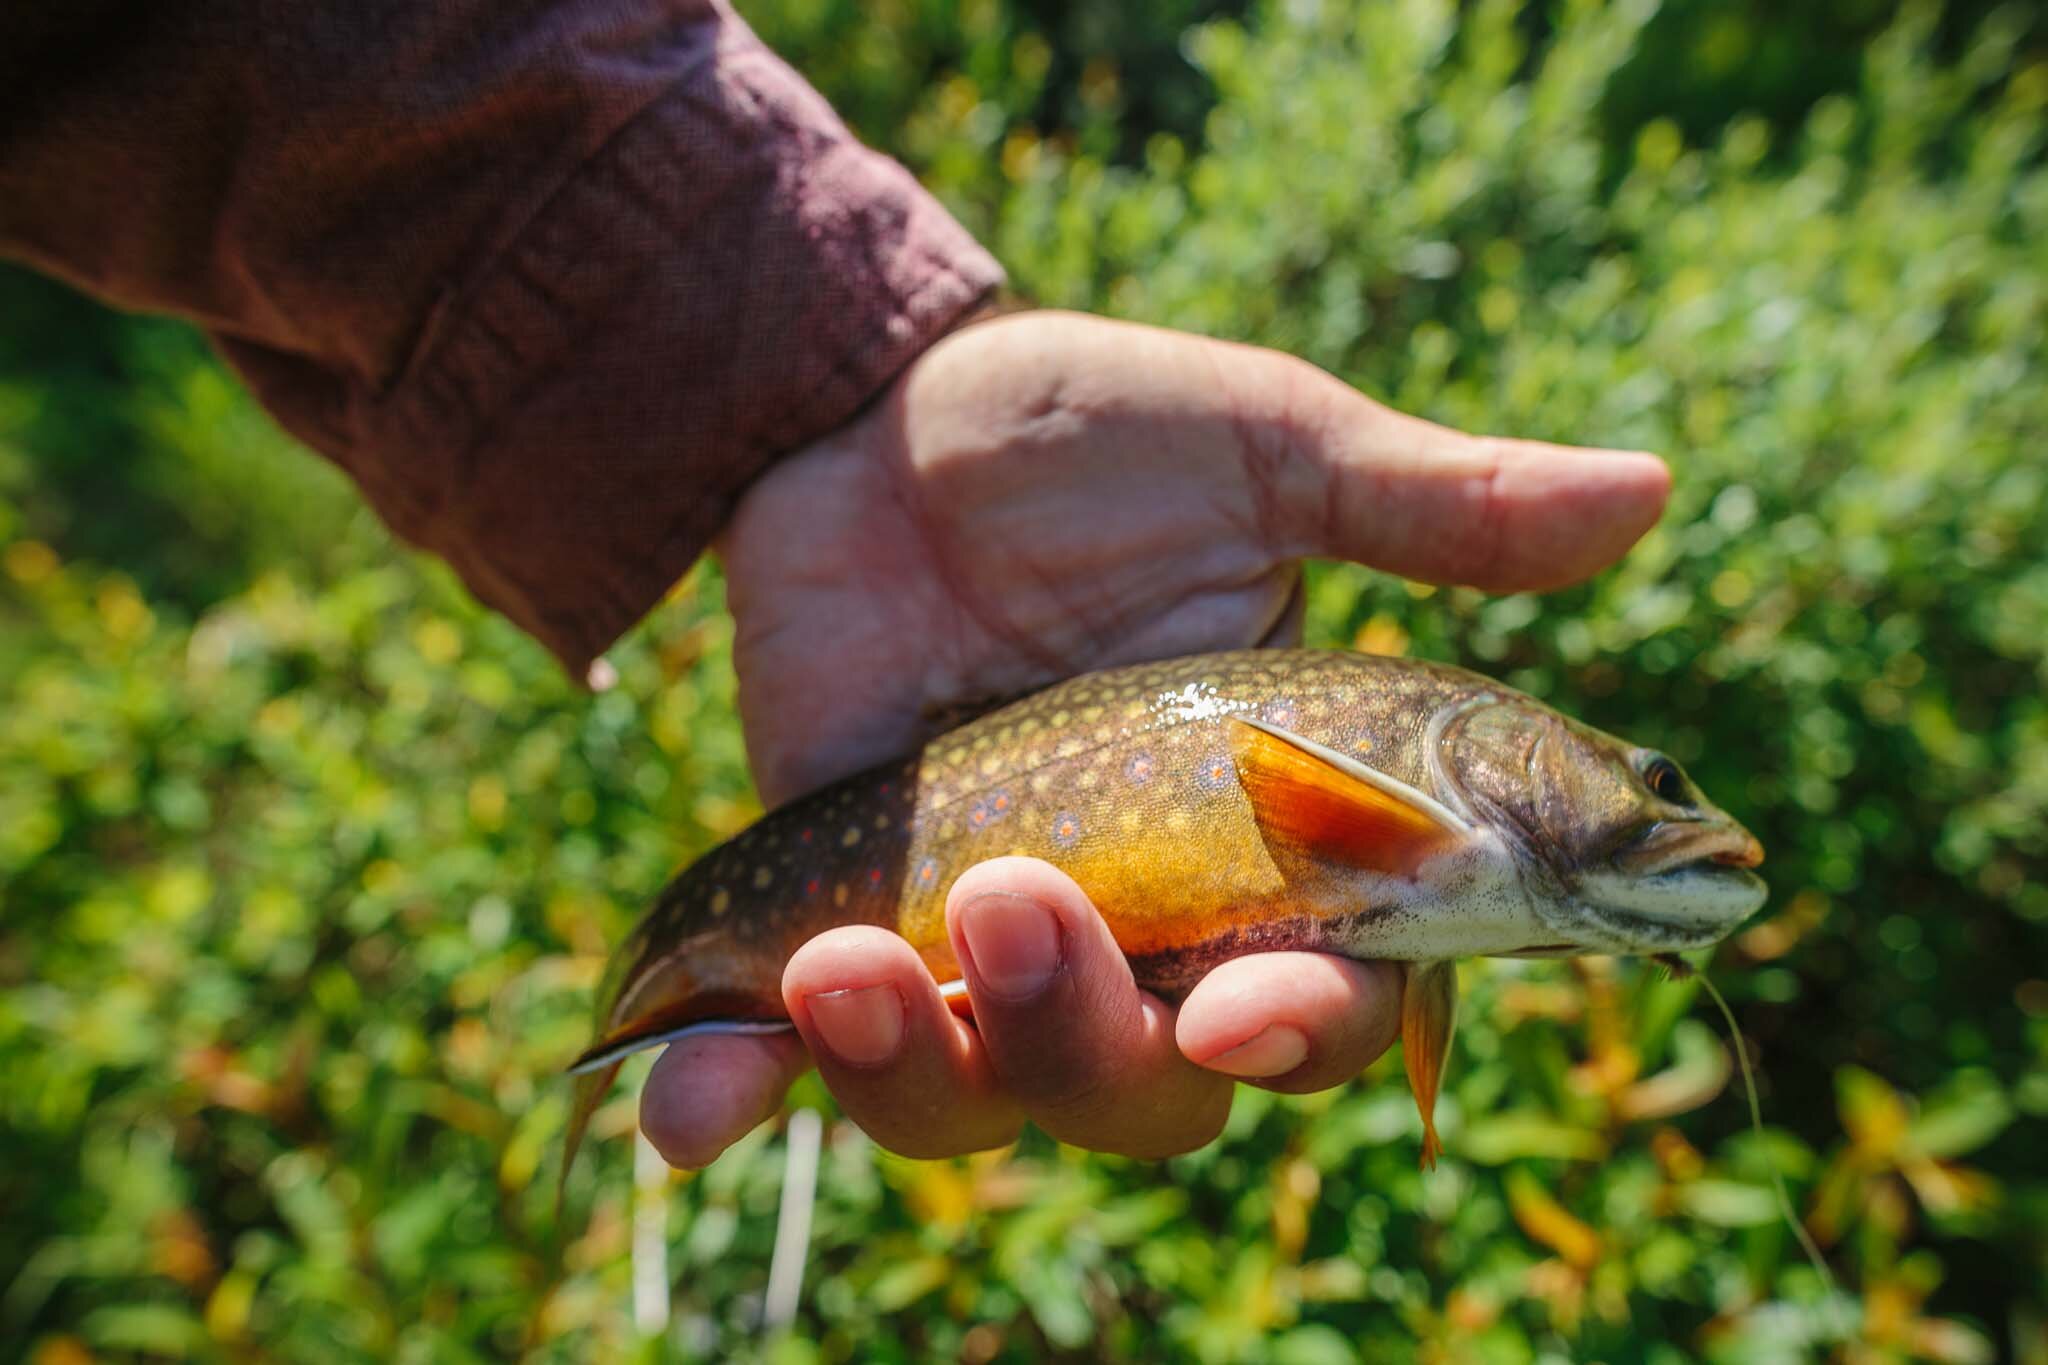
[689, 1013]
[591, 1088]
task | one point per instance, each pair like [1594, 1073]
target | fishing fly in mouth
[1372, 807]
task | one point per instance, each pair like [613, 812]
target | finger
[1289, 620]
[1089, 1056]
[1292, 1022]
[1359, 481]
[706, 1093]
[1320, 469]
[1324, 470]
[915, 1078]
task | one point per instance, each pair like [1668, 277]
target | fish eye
[1664, 779]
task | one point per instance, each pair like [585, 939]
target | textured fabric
[552, 279]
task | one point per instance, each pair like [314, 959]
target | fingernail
[1274, 1050]
[862, 1027]
[1014, 944]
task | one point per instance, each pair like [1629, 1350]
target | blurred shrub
[304, 890]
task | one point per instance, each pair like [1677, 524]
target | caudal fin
[598, 1067]
[591, 1088]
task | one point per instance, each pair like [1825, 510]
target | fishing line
[1681, 970]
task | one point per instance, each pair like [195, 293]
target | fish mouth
[1674, 845]
[1681, 885]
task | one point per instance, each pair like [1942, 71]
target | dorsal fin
[1312, 801]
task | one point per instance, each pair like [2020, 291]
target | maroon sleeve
[552, 279]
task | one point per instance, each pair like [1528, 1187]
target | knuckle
[913, 1114]
[1187, 1127]
[1070, 1091]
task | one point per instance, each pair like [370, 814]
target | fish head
[1622, 852]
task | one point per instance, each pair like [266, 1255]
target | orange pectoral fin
[1429, 1014]
[1313, 801]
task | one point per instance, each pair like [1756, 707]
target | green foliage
[306, 865]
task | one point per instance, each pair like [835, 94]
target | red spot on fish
[805, 837]
[1216, 773]
[874, 876]
[811, 887]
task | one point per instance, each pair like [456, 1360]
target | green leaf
[1313, 1344]
[1729, 1204]
[1966, 1116]
[1513, 1135]
[158, 1328]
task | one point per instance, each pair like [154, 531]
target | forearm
[553, 281]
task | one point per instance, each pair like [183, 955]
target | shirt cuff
[732, 276]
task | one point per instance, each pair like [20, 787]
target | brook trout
[1213, 806]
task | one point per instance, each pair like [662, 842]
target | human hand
[1061, 1035]
[1038, 496]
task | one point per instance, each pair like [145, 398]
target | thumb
[1354, 479]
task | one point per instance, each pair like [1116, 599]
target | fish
[1374, 807]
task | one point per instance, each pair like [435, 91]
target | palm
[1046, 494]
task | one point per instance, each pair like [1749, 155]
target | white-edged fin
[1372, 777]
[953, 990]
[730, 1027]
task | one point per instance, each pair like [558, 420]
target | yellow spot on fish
[1059, 718]
[1090, 714]
[762, 877]
[881, 822]
[721, 901]
[851, 837]
[839, 894]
